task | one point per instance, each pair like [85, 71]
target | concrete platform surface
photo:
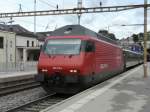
[128, 92]
[6, 77]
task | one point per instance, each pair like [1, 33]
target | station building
[17, 44]
[7, 47]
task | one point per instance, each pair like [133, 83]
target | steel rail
[49, 100]
[16, 86]
[39, 104]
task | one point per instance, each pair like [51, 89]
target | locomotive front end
[60, 62]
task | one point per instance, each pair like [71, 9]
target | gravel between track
[17, 99]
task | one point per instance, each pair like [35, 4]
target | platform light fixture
[44, 70]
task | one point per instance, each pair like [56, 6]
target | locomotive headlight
[44, 70]
[73, 71]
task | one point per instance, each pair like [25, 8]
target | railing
[19, 66]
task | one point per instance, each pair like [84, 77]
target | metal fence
[19, 66]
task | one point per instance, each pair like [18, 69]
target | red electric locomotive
[74, 57]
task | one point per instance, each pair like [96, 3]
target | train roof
[76, 30]
[73, 30]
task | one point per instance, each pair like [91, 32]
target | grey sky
[92, 21]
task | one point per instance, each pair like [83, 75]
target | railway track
[38, 104]
[41, 103]
[15, 86]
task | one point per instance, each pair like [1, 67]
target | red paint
[107, 57]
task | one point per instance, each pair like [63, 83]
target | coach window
[90, 47]
[1, 42]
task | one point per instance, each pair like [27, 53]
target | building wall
[41, 43]
[2, 55]
[7, 53]
[15, 47]
[23, 44]
[19, 55]
[21, 41]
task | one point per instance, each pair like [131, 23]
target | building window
[27, 43]
[10, 44]
[1, 42]
[32, 43]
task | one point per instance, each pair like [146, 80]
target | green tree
[103, 32]
[135, 38]
[141, 36]
[107, 34]
[112, 36]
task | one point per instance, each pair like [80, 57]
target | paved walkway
[129, 92]
[12, 76]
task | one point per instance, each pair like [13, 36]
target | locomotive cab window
[90, 47]
[62, 46]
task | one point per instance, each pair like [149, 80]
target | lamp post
[145, 39]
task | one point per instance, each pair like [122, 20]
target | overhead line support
[71, 11]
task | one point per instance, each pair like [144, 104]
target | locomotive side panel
[109, 59]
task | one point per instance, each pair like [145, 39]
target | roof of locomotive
[76, 30]
[73, 30]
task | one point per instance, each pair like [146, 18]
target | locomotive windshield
[62, 46]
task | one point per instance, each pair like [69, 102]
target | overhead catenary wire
[29, 22]
[49, 1]
[24, 7]
[42, 1]
[17, 3]
[12, 2]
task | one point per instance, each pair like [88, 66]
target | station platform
[128, 92]
[14, 76]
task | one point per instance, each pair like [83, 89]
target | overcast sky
[93, 21]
